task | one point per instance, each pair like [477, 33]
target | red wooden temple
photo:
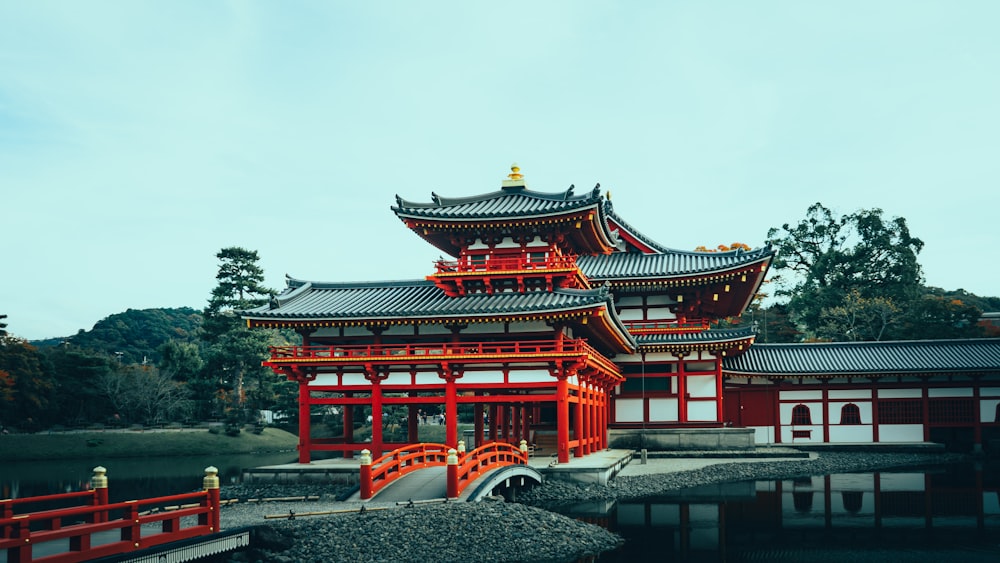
[553, 319]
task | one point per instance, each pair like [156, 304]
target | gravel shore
[492, 530]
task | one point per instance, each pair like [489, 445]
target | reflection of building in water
[954, 506]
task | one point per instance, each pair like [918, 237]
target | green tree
[823, 258]
[28, 388]
[938, 317]
[77, 373]
[234, 352]
[239, 288]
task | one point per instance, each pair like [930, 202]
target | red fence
[180, 517]
[375, 475]
[463, 468]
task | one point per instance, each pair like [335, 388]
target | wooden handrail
[523, 262]
[476, 463]
[393, 465]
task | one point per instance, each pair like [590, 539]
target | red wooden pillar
[682, 407]
[562, 417]
[578, 421]
[720, 415]
[305, 440]
[376, 418]
[494, 414]
[525, 421]
[875, 421]
[451, 411]
[825, 401]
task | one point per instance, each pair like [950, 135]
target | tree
[823, 258]
[858, 318]
[239, 288]
[234, 352]
[28, 389]
[144, 394]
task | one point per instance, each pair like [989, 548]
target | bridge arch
[511, 477]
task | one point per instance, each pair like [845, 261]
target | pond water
[942, 514]
[128, 478]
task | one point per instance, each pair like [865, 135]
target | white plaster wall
[799, 395]
[471, 377]
[851, 433]
[397, 379]
[427, 378]
[663, 410]
[328, 379]
[900, 432]
[899, 394]
[950, 392]
[628, 410]
[660, 314]
[763, 434]
[508, 242]
[815, 436]
[660, 357]
[702, 411]
[530, 376]
[850, 394]
[537, 241]
[700, 386]
[629, 301]
[434, 330]
[354, 331]
[988, 410]
[630, 315]
[659, 300]
[989, 392]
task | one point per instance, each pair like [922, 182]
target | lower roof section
[867, 358]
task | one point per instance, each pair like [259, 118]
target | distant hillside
[137, 333]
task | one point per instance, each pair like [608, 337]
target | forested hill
[136, 334]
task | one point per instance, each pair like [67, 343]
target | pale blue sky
[137, 139]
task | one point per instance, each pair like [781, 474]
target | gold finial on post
[100, 478]
[211, 480]
[515, 179]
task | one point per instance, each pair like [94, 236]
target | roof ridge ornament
[515, 179]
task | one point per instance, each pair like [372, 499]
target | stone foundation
[682, 439]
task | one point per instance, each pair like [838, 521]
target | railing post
[366, 474]
[22, 531]
[452, 474]
[461, 447]
[212, 518]
[99, 482]
[524, 450]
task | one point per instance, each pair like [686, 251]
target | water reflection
[128, 478]
[942, 514]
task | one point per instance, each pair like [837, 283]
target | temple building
[554, 321]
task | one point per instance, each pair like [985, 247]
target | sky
[138, 139]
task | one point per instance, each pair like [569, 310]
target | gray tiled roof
[847, 358]
[506, 203]
[672, 263]
[632, 231]
[414, 299]
[707, 336]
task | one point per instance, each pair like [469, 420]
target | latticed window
[800, 415]
[944, 411]
[850, 414]
[901, 412]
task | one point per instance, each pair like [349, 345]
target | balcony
[666, 327]
[490, 274]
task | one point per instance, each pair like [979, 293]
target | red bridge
[462, 468]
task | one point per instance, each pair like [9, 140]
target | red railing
[476, 463]
[180, 516]
[377, 474]
[428, 352]
[463, 468]
[506, 263]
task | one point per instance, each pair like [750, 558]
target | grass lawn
[127, 443]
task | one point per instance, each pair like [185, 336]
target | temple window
[800, 415]
[850, 414]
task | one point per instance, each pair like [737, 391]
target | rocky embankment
[491, 530]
